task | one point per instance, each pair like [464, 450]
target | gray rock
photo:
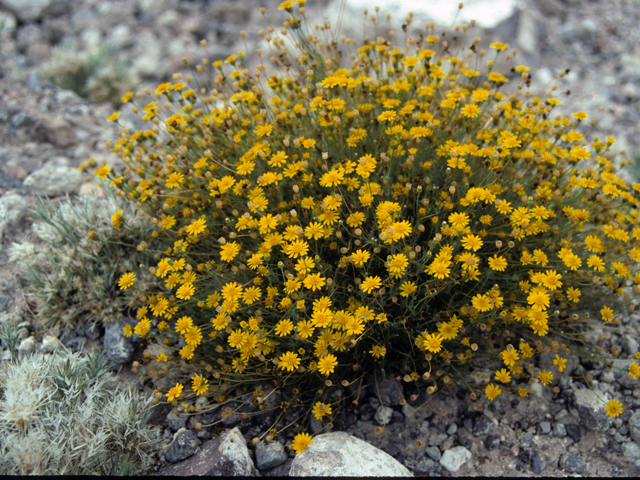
[26, 10]
[176, 422]
[527, 33]
[453, 428]
[537, 463]
[545, 428]
[491, 442]
[423, 466]
[631, 450]
[482, 426]
[559, 431]
[573, 431]
[537, 390]
[56, 132]
[383, 415]
[454, 458]
[434, 453]
[13, 208]
[92, 331]
[225, 456]
[634, 426]
[117, 347]
[184, 445]
[339, 454]
[270, 455]
[590, 408]
[607, 377]
[390, 392]
[54, 181]
[572, 463]
[525, 439]
[629, 345]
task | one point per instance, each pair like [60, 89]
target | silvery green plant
[75, 257]
[62, 414]
[96, 74]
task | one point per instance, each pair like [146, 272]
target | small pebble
[545, 428]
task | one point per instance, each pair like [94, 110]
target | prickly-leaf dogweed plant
[73, 266]
[371, 204]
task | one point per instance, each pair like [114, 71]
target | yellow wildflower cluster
[368, 199]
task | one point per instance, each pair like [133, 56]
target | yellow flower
[503, 375]
[183, 324]
[229, 251]
[634, 370]
[545, 377]
[116, 218]
[370, 283]
[174, 392]
[580, 115]
[378, 351]
[327, 364]
[607, 314]
[407, 288]
[289, 361]
[320, 410]
[472, 242]
[128, 331]
[103, 171]
[185, 291]
[199, 384]
[113, 117]
[560, 363]
[126, 280]
[301, 441]
[498, 263]
[197, 227]
[360, 257]
[314, 282]
[613, 408]
[284, 327]
[492, 391]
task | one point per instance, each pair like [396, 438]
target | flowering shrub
[372, 204]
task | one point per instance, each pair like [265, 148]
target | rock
[423, 466]
[27, 345]
[527, 33]
[56, 132]
[383, 415]
[270, 455]
[559, 431]
[92, 331]
[545, 428]
[390, 392]
[634, 426]
[590, 408]
[629, 345]
[434, 453]
[607, 377]
[26, 10]
[537, 463]
[225, 456]
[176, 422]
[50, 344]
[525, 439]
[339, 454]
[13, 208]
[452, 429]
[117, 347]
[454, 458]
[537, 390]
[54, 181]
[631, 450]
[572, 463]
[184, 445]
[491, 442]
[482, 426]
[573, 431]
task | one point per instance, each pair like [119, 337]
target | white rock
[26, 10]
[270, 455]
[54, 181]
[234, 447]
[383, 415]
[339, 454]
[454, 458]
[49, 343]
[27, 345]
[13, 208]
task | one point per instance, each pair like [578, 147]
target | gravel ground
[548, 434]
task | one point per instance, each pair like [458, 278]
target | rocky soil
[46, 132]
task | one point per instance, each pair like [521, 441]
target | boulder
[339, 454]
